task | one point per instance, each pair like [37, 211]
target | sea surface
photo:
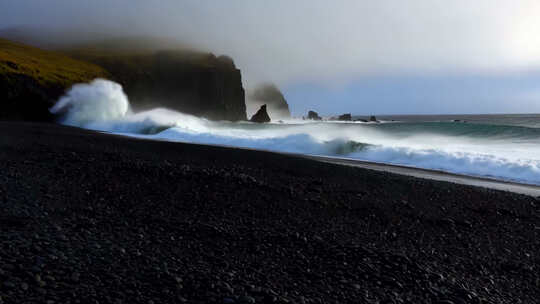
[503, 147]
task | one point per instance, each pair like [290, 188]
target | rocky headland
[188, 81]
[192, 82]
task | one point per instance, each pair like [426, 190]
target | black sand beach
[96, 218]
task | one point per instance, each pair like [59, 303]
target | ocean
[502, 147]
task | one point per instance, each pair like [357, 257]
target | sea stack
[345, 117]
[313, 115]
[261, 116]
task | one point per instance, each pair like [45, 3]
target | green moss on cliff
[46, 67]
[31, 80]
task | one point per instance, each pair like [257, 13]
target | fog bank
[286, 41]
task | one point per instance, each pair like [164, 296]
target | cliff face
[32, 80]
[24, 98]
[195, 83]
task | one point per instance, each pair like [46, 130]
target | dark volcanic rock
[261, 116]
[345, 117]
[24, 98]
[270, 95]
[313, 115]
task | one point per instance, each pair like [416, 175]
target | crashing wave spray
[86, 103]
[102, 105]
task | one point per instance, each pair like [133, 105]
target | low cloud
[289, 41]
[387, 56]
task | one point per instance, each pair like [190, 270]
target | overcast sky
[416, 56]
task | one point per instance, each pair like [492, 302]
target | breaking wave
[497, 151]
[84, 104]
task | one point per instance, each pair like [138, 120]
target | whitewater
[483, 148]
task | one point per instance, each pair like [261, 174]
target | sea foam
[502, 152]
[86, 103]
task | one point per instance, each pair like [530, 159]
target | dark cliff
[191, 82]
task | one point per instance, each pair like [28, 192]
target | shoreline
[438, 175]
[116, 219]
[431, 174]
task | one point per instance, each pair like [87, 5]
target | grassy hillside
[46, 67]
[32, 80]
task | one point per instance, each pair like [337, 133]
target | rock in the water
[345, 117]
[270, 95]
[261, 116]
[373, 118]
[313, 115]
